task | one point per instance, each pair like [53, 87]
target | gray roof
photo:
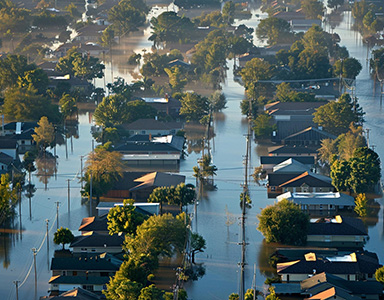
[339, 199]
[98, 240]
[323, 280]
[94, 280]
[167, 144]
[292, 149]
[339, 226]
[103, 262]
[5, 159]
[293, 107]
[94, 223]
[152, 124]
[158, 179]
[320, 134]
[6, 142]
[290, 166]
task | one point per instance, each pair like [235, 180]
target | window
[74, 273]
[273, 188]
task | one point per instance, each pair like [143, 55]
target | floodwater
[217, 214]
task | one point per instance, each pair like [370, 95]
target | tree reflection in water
[46, 165]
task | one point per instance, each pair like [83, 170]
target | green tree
[255, 70]
[379, 275]
[340, 174]
[68, 105]
[228, 12]
[284, 222]
[159, 235]
[359, 10]
[244, 107]
[313, 9]
[124, 219]
[347, 68]
[327, 150]
[183, 195]
[262, 126]
[111, 111]
[151, 293]
[217, 101]
[159, 195]
[348, 142]
[22, 104]
[8, 197]
[34, 79]
[105, 167]
[139, 109]
[233, 296]
[194, 106]
[177, 80]
[336, 116]
[44, 134]
[198, 244]
[272, 294]
[274, 31]
[13, 67]
[361, 205]
[63, 236]
[121, 288]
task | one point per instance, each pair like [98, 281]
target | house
[9, 147]
[324, 281]
[17, 127]
[306, 182]
[268, 162]
[97, 224]
[152, 152]
[93, 242]
[74, 294]
[339, 232]
[290, 166]
[89, 33]
[148, 209]
[5, 163]
[153, 127]
[290, 15]
[320, 202]
[333, 293]
[355, 266]
[147, 183]
[292, 151]
[310, 136]
[179, 63]
[90, 272]
[291, 111]
[25, 140]
[286, 128]
[304, 25]
[166, 105]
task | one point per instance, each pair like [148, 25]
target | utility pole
[34, 264]
[254, 282]
[81, 171]
[367, 130]
[47, 223]
[69, 195]
[57, 213]
[90, 195]
[16, 282]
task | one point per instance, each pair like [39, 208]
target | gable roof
[290, 166]
[6, 142]
[76, 294]
[90, 280]
[310, 179]
[283, 149]
[165, 144]
[275, 160]
[314, 132]
[324, 280]
[332, 292]
[24, 125]
[338, 226]
[5, 159]
[306, 108]
[158, 179]
[339, 199]
[95, 239]
[94, 224]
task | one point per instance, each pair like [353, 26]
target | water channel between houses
[218, 212]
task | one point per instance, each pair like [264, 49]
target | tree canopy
[274, 31]
[44, 134]
[284, 222]
[63, 236]
[194, 106]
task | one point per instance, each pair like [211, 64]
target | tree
[194, 106]
[272, 295]
[198, 244]
[44, 134]
[105, 167]
[361, 205]
[228, 12]
[336, 116]
[124, 219]
[335, 3]
[183, 195]
[255, 70]
[151, 293]
[112, 111]
[262, 126]
[340, 174]
[159, 195]
[233, 296]
[217, 101]
[313, 9]
[348, 142]
[327, 150]
[347, 68]
[379, 275]
[34, 79]
[63, 236]
[139, 109]
[284, 222]
[159, 235]
[28, 163]
[177, 80]
[121, 288]
[21, 104]
[274, 30]
[8, 197]
[244, 107]
[68, 105]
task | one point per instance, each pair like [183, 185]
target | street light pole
[34, 264]
[16, 282]
[69, 195]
